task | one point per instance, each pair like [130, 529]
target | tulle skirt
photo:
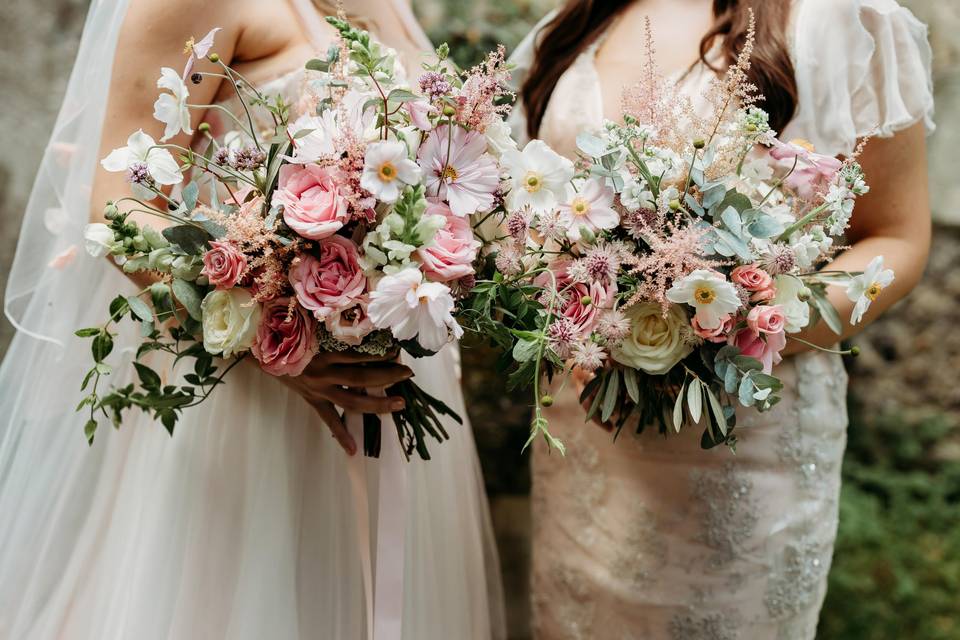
[241, 525]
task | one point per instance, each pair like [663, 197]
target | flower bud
[804, 294]
[449, 111]
[586, 301]
[546, 400]
[586, 235]
[110, 211]
[699, 143]
[854, 351]
[674, 205]
[196, 78]
[214, 58]
[204, 127]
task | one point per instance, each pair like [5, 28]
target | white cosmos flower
[709, 293]
[141, 149]
[98, 239]
[866, 288]
[539, 177]
[386, 168]
[412, 308]
[171, 108]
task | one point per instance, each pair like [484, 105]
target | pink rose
[350, 325]
[224, 264]
[718, 335]
[286, 339]
[766, 319]
[751, 277]
[312, 205]
[454, 249]
[765, 348]
[764, 296]
[332, 282]
[572, 305]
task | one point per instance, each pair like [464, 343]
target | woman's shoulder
[863, 67]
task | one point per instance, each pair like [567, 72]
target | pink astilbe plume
[482, 88]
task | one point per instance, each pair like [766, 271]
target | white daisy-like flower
[171, 108]
[709, 292]
[411, 308]
[591, 208]
[866, 288]
[386, 169]
[142, 151]
[539, 177]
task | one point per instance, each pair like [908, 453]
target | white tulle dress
[241, 525]
[652, 538]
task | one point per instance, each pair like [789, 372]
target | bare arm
[893, 220]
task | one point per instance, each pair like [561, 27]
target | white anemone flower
[866, 288]
[412, 308]
[386, 168]
[539, 177]
[171, 108]
[142, 152]
[709, 292]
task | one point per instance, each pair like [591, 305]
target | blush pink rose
[331, 282]
[764, 347]
[350, 325]
[286, 338]
[454, 249]
[584, 316]
[767, 319]
[224, 264]
[718, 335]
[751, 277]
[312, 205]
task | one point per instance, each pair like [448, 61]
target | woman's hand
[334, 380]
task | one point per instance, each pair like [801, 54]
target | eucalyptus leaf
[189, 296]
[745, 392]
[591, 145]
[695, 400]
[525, 350]
[140, 308]
[717, 410]
[190, 194]
[191, 239]
[827, 311]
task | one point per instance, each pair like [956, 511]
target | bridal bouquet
[674, 260]
[350, 227]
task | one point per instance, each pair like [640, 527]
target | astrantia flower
[709, 293]
[386, 168]
[539, 177]
[459, 169]
[589, 208]
[412, 308]
[562, 336]
[171, 108]
[142, 149]
[614, 326]
[589, 356]
[866, 288]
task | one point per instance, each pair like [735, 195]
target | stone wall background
[907, 378]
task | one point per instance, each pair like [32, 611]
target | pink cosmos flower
[813, 170]
[459, 169]
[580, 303]
[590, 208]
[767, 319]
[224, 264]
[286, 338]
[350, 325]
[751, 277]
[454, 249]
[764, 347]
[719, 334]
[333, 282]
[311, 201]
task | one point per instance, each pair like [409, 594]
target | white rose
[656, 342]
[499, 138]
[98, 239]
[796, 312]
[230, 321]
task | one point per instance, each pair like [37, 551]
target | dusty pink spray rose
[765, 348]
[331, 282]
[224, 264]
[350, 325]
[311, 201]
[766, 319]
[454, 249]
[751, 277]
[580, 303]
[719, 334]
[286, 338]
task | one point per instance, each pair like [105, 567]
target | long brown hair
[580, 22]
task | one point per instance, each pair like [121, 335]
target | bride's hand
[580, 380]
[334, 380]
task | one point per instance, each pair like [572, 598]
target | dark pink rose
[332, 282]
[751, 277]
[224, 264]
[286, 338]
[454, 249]
[312, 205]
[767, 319]
[764, 347]
[580, 303]
[718, 335]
